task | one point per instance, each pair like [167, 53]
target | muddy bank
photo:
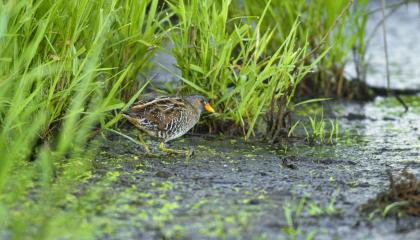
[235, 189]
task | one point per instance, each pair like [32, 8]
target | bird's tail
[131, 119]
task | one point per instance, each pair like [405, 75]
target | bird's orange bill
[208, 108]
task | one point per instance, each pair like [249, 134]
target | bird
[167, 117]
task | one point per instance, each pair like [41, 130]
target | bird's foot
[153, 155]
[148, 152]
[188, 153]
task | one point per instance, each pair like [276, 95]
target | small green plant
[388, 210]
[315, 209]
[393, 207]
[292, 212]
[319, 132]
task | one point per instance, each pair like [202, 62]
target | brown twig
[388, 75]
[378, 25]
[392, 6]
[388, 78]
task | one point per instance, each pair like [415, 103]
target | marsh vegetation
[284, 149]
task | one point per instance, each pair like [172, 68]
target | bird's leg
[144, 144]
[146, 147]
[162, 148]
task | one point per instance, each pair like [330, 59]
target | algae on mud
[231, 188]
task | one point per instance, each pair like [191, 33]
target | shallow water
[403, 47]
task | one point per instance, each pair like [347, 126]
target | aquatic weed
[402, 197]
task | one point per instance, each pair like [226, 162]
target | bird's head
[200, 103]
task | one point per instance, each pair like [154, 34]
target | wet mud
[232, 189]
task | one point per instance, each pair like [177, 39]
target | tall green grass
[333, 26]
[64, 66]
[68, 67]
[229, 61]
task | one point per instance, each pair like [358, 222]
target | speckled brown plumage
[167, 118]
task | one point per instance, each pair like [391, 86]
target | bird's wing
[157, 114]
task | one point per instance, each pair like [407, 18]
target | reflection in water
[403, 48]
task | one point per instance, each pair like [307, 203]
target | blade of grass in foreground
[59, 78]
